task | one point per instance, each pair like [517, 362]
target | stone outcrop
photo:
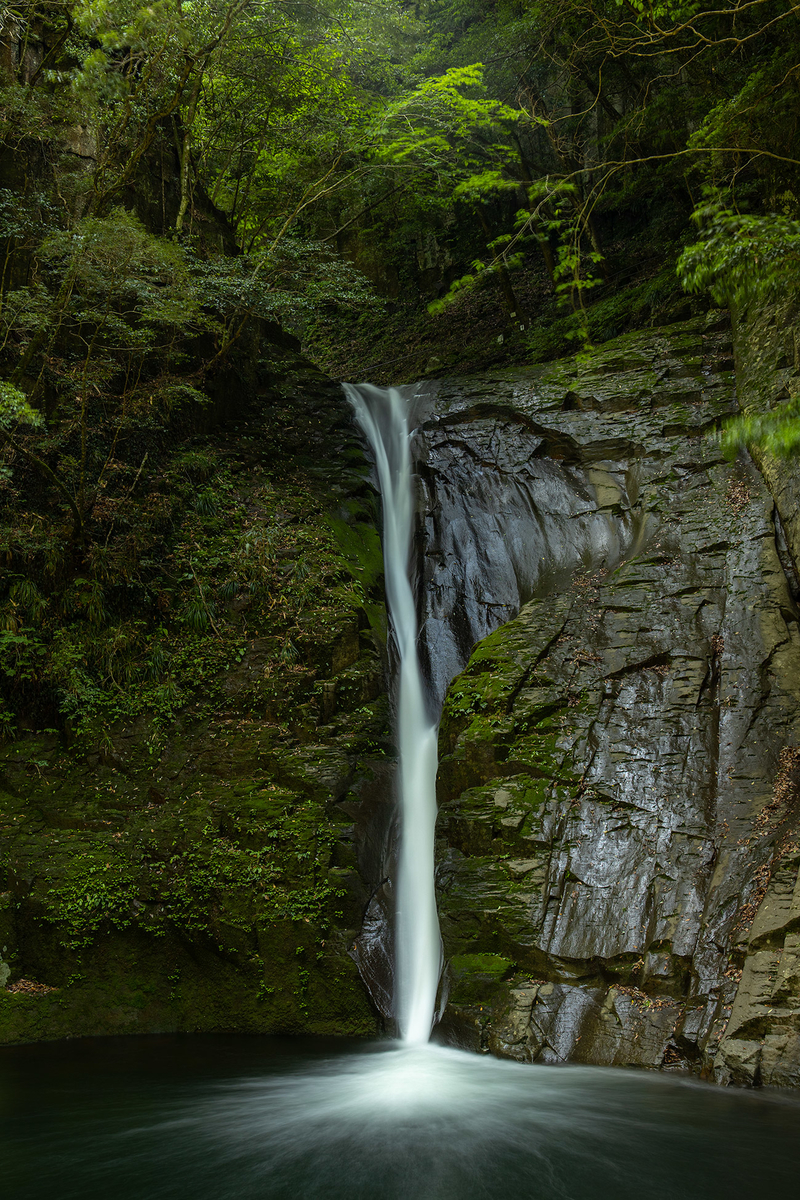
[619, 814]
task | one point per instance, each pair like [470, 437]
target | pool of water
[213, 1118]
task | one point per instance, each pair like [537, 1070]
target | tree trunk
[506, 286]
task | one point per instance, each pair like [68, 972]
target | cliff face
[619, 828]
[191, 866]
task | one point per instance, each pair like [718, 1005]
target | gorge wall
[619, 814]
[619, 838]
[191, 866]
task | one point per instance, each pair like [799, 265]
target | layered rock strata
[619, 813]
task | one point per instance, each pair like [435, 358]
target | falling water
[383, 414]
[241, 1119]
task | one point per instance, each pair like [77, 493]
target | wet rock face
[511, 509]
[619, 810]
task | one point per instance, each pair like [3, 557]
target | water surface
[240, 1118]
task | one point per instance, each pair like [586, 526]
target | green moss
[170, 838]
[360, 545]
[493, 965]
[221, 881]
[478, 977]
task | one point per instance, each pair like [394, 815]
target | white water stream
[384, 416]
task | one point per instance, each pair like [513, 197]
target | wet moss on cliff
[186, 701]
[618, 800]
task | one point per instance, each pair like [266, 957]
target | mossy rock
[174, 853]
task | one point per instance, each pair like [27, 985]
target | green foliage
[777, 432]
[742, 258]
[14, 407]
[99, 887]
[26, 218]
[453, 137]
[448, 123]
[111, 304]
[662, 9]
[22, 655]
[290, 282]
[284, 107]
[554, 334]
[136, 287]
[482, 186]
[152, 618]
[305, 121]
[95, 893]
[267, 143]
[628, 109]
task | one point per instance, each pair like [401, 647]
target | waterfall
[383, 414]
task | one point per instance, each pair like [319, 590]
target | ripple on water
[387, 1123]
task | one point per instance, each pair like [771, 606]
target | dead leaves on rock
[27, 987]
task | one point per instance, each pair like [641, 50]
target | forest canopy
[299, 160]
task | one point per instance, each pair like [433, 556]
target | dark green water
[234, 1118]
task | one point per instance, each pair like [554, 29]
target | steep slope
[180, 855]
[619, 813]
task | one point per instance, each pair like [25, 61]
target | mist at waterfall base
[250, 1118]
[246, 1118]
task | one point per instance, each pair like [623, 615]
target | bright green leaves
[745, 260]
[741, 257]
[458, 141]
[95, 888]
[449, 124]
[663, 10]
[14, 407]
[483, 185]
[777, 432]
[556, 216]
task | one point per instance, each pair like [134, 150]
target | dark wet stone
[618, 814]
[371, 952]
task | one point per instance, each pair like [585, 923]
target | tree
[635, 109]
[458, 144]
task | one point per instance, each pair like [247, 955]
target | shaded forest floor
[401, 341]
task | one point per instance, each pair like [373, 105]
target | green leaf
[14, 407]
